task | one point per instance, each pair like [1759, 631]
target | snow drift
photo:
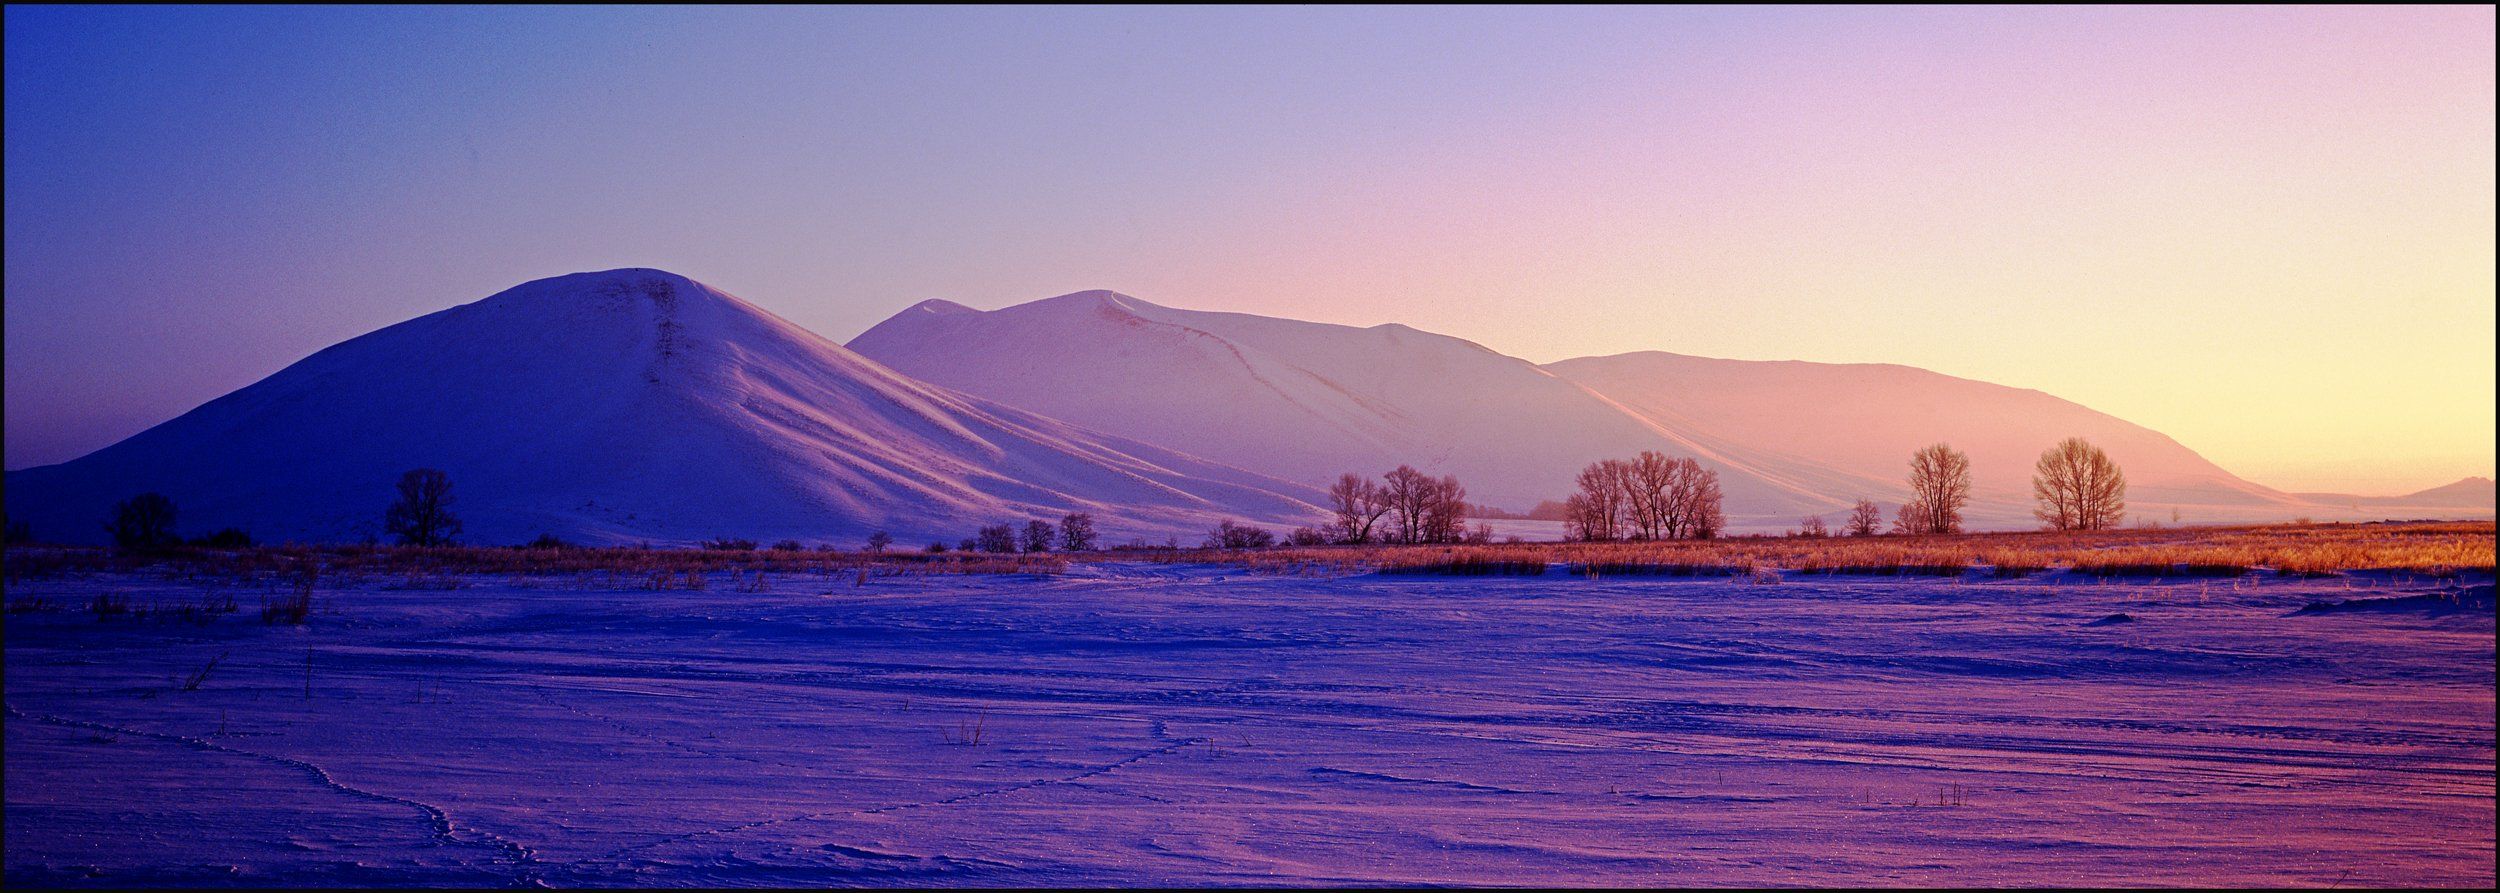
[632, 405]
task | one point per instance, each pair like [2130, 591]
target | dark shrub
[1231, 535]
[229, 538]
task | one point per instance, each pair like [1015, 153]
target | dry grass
[406, 567]
[2429, 547]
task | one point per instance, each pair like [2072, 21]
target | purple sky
[2266, 232]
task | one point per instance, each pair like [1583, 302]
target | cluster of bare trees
[1073, 533]
[1404, 506]
[1648, 497]
[2076, 485]
[1864, 519]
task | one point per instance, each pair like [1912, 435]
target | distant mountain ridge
[2472, 492]
[632, 405]
[637, 405]
[1306, 401]
[1301, 400]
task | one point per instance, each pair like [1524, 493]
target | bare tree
[878, 541]
[2078, 487]
[1076, 532]
[1939, 487]
[1409, 495]
[1584, 519]
[1358, 504]
[1038, 534]
[1867, 519]
[1445, 511]
[1598, 510]
[1653, 487]
[422, 516]
[144, 522]
[1378, 504]
[994, 538]
[1699, 514]
[1812, 528]
[1911, 518]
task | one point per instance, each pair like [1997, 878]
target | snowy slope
[1304, 401]
[631, 405]
[1864, 421]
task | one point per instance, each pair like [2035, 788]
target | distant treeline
[1649, 497]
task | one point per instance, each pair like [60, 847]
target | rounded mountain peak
[1091, 298]
[940, 307]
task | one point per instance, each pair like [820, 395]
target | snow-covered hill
[1305, 401]
[632, 405]
[1300, 400]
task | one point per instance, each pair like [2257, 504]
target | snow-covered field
[1140, 724]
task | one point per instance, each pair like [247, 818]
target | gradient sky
[2265, 232]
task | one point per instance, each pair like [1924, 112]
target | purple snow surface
[1139, 724]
